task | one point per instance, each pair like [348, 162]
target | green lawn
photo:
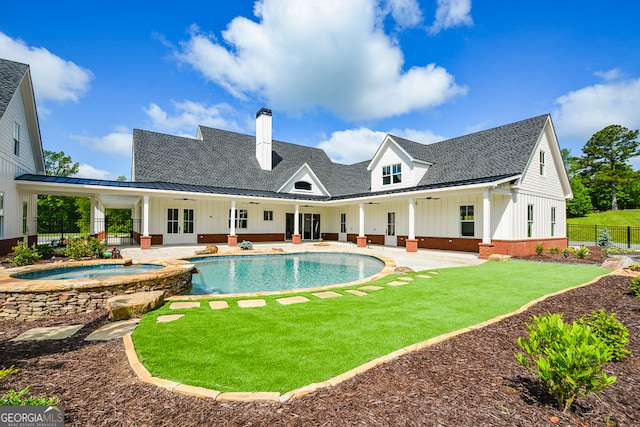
[622, 218]
[280, 348]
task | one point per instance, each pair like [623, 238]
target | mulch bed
[470, 380]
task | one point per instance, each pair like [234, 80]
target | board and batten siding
[12, 166]
[549, 182]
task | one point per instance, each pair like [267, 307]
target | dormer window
[392, 174]
[302, 185]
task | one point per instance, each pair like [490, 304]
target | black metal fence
[588, 235]
[113, 233]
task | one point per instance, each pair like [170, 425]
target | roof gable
[306, 174]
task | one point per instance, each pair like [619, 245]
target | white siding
[549, 183]
[541, 216]
[440, 217]
[391, 154]
[304, 175]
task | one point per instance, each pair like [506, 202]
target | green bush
[635, 286]
[610, 330]
[19, 398]
[25, 255]
[83, 247]
[245, 245]
[555, 249]
[539, 249]
[45, 250]
[582, 252]
[567, 357]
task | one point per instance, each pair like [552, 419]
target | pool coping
[389, 268]
[276, 397]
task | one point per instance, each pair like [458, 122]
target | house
[20, 153]
[502, 190]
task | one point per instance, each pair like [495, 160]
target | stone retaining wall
[38, 299]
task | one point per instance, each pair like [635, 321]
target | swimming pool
[267, 273]
[87, 271]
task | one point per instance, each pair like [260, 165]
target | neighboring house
[20, 153]
[502, 190]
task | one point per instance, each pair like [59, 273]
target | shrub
[7, 371]
[603, 238]
[610, 330]
[612, 250]
[635, 266]
[635, 286]
[45, 251]
[25, 255]
[245, 245]
[554, 249]
[19, 398]
[539, 248]
[582, 252]
[567, 357]
[84, 247]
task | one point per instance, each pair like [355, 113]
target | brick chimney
[263, 138]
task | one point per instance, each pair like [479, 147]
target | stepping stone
[370, 288]
[405, 278]
[165, 318]
[397, 283]
[250, 303]
[123, 307]
[356, 292]
[113, 330]
[218, 305]
[423, 276]
[184, 304]
[433, 272]
[48, 333]
[327, 294]
[292, 300]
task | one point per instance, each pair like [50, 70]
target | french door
[308, 226]
[390, 238]
[180, 226]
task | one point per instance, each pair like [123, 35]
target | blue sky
[337, 74]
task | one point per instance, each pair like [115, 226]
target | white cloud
[188, 115]
[583, 112]
[451, 13]
[356, 145]
[406, 13]
[609, 75]
[54, 79]
[88, 171]
[330, 54]
[117, 142]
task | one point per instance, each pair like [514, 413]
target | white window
[25, 210]
[343, 222]
[529, 220]
[542, 163]
[16, 139]
[467, 221]
[392, 174]
[1, 215]
[173, 222]
[553, 221]
[242, 218]
[268, 215]
[391, 223]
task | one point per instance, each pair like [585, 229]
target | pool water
[88, 272]
[264, 273]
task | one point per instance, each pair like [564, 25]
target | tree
[59, 164]
[606, 155]
[580, 205]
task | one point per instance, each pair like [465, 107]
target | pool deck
[424, 259]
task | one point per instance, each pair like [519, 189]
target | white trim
[379, 152]
[313, 176]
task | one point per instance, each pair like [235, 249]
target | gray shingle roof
[11, 74]
[227, 160]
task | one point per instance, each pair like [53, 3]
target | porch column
[486, 248]
[296, 238]
[92, 217]
[145, 239]
[362, 239]
[412, 242]
[232, 238]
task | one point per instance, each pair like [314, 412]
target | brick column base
[362, 241]
[145, 242]
[486, 250]
[296, 239]
[232, 241]
[412, 245]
